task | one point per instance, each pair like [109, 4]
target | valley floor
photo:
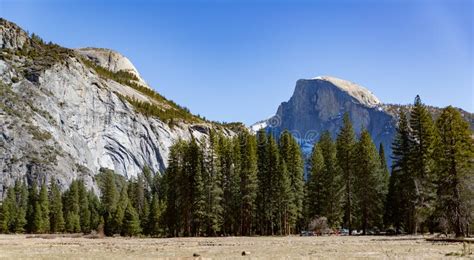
[293, 247]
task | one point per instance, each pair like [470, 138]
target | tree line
[432, 181]
[256, 185]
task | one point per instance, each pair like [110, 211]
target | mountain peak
[111, 60]
[361, 94]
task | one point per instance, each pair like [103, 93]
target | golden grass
[293, 247]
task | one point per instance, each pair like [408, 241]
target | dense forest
[256, 185]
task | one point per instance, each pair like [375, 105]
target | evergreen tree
[229, 167]
[131, 221]
[176, 186]
[43, 202]
[8, 212]
[94, 208]
[327, 182]
[211, 174]
[138, 193]
[369, 184]
[393, 204]
[21, 202]
[400, 206]
[193, 169]
[275, 182]
[84, 209]
[454, 157]
[34, 214]
[72, 208]
[245, 163]
[56, 218]
[421, 161]
[154, 218]
[109, 200]
[119, 213]
[264, 203]
[345, 145]
[291, 154]
[314, 185]
[284, 204]
[385, 180]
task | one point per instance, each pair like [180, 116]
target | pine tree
[8, 212]
[176, 186]
[284, 203]
[144, 213]
[14, 208]
[194, 171]
[245, 162]
[332, 185]
[274, 177]
[84, 209]
[138, 193]
[345, 145]
[72, 208]
[56, 217]
[211, 173]
[454, 157]
[369, 183]
[21, 207]
[314, 185]
[34, 214]
[119, 213]
[109, 200]
[94, 208]
[43, 202]
[421, 161]
[400, 206]
[264, 203]
[385, 180]
[131, 221]
[393, 204]
[228, 165]
[154, 218]
[291, 154]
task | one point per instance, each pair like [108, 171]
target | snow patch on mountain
[259, 125]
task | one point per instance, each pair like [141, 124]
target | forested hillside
[255, 185]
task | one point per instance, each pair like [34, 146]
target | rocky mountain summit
[66, 113]
[318, 104]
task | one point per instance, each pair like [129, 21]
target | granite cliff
[67, 113]
[318, 105]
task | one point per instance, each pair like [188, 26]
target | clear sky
[238, 60]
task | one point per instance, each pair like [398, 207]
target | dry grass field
[294, 247]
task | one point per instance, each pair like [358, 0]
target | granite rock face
[71, 122]
[111, 60]
[11, 36]
[318, 105]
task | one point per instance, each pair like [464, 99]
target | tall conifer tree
[454, 157]
[369, 185]
[421, 161]
[245, 160]
[43, 202]
[401, 203]
[345, 144]
[56, 217]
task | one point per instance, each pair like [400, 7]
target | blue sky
[238, 60]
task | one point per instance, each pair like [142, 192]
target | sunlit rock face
[68, 121]
[318, 105]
